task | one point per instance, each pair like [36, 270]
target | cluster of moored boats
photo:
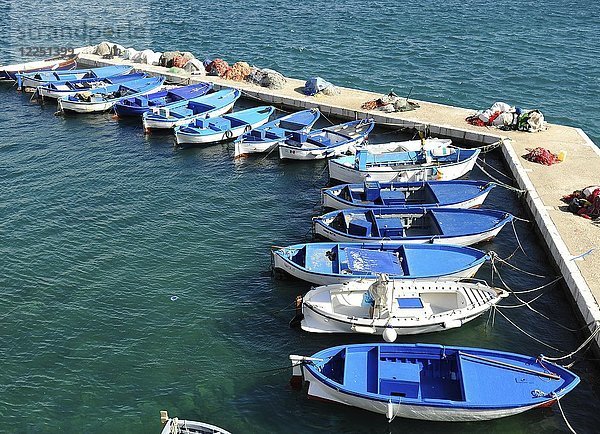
[396, 261]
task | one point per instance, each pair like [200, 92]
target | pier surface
[567, 237]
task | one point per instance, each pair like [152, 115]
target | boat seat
[372, 189]
[399, 378]
[319, 140]
[392, 197]
[201, 123]
[390, 227]
[141, 102]
[219, 124]
[259, 134]
[197, 107]
[298, 136]
[360, 227]
[289, 125]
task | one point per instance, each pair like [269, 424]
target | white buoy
[389, 335]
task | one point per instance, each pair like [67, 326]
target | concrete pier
[566, 236]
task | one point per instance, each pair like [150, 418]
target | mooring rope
[517, 238]
[555, 396]
[496, 170]
[500, 183]
[583, 345]
[495, 257]
[526, 333]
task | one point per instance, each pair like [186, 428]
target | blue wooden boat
[221, 128]
[140, 105]
[431, 164]
[61, 89]
[271, 134]
[103, 99]
[328, 263]
[433, 382]
[327, 142]
[41, 78]
[462, 227]
[375, 194]
[184, 112]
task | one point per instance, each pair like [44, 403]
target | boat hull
[150, 123]
[343, 173]
[294, 270]
[295, 153]
[244, 148]
[186, 139]
[322, 230]
[319, 390]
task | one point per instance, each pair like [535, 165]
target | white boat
[328, 142]
[272, 134]
[438, 164]
[182, 426]
[221, 128]
[329, 263]
[408, 145]
[91, 102]
[395, 307]
[432, 382]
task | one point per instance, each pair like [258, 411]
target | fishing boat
[394, 307]
[375, 194]
[34, 79]
[10, 72]
[328, 263]
[272, 134]
[61, 89]
[436, 164]
[186, 111]
[328, 142]
[104, 99]
[137, 106]
[182, 426]
[221, 128]
[462, 227]
[409, 145]
[432, 382]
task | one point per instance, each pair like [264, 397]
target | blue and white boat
[184, 112]
[183, 426]
[328, 142]
[103, 99]
[394, 307]
[375, 194]
[462, 227]
[221, 128]
[435, 164]
[272, 134]
[328, 263]
[41, 78]
[9, 72]
[139, 105]
[61, 89]
[433, 382]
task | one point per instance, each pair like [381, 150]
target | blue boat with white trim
[375, 194]
[222, 128]
[328, 263]
[34, 79]
[462, 227]
[184, 112]
[432, 382]
[61, 89]
[272, 134]
[139, 105]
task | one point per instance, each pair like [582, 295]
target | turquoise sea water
[101, 225]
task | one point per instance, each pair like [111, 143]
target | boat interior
[373, 192]
[368, 224]
[384, 370]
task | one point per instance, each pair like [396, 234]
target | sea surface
[135, 277]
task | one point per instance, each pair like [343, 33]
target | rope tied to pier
[558, 398]
[497, 181]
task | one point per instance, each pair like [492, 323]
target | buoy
[389, 334]
[174, 298]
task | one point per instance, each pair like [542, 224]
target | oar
[508, 365]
